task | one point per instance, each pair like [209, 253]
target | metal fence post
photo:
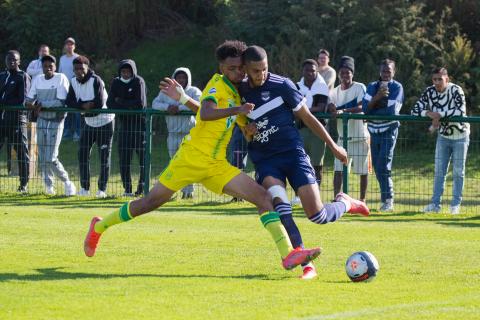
[148, 150]
[345, 118]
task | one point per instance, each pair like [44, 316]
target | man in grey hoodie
[178, 125]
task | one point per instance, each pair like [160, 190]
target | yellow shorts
[189, 165]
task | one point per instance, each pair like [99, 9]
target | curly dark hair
[230, 49]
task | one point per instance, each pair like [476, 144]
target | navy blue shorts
[293, 166]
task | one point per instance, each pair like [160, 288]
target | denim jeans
[456, 151]
[382, 146]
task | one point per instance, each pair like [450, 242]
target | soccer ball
[362, 266]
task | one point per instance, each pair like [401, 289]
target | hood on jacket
[131, 64]
[189, 76]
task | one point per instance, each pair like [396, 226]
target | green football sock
[116, 217]
[271, 222]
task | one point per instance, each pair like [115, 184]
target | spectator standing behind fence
[328, 73]
[384, 97]
[73, 120]
[238, 147]
[87, 92]
[178, 125]
[35, 67]
[441, 101]
[50, 91]
[14, 86]
[347, 98]
[315, 90]
[128, 92]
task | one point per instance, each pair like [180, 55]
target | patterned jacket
[449, 103]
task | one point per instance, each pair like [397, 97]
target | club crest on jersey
[212, 90]
[265, 95]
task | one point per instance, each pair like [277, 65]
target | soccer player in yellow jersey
[202, 158]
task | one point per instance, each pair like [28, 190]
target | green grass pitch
[217, 262]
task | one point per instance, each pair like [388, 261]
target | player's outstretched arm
[209, 110]
[313, 124]
[174, 90]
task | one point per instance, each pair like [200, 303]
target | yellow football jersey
[212, 137]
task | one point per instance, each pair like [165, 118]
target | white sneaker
[50, 191]
[70, 189]
[455, 209]
[387, 206]
[295, 201]
[432, 208]
[101, 194]
[83, 193]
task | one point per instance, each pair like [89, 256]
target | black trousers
[103, 137]
[131, 141]
[16, 136]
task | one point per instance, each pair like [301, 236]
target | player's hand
[251, 128]
[173, 109]
[340, 154]
[171, 88]
[331, 108]
[246, 108]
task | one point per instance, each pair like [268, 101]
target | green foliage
[29, 24]
[415, 38]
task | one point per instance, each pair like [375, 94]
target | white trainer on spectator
[387, 206]
[50, 191]
[83, 193]
[432, 208]
[455, 209]
[101, 194]
[296, 201]
[70, 189]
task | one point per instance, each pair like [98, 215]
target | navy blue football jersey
[275, 101]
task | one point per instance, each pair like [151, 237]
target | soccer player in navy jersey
[276, 148]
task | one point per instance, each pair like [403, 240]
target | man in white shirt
[73, 120]
[347, 98]
[35, 67]
[328, 73]
[315, 90]
[50, 91]
[87, 91]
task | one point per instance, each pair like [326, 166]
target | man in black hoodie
[14, 85]
[86, 92]
[128, 92]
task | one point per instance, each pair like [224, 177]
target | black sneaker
[22, 189]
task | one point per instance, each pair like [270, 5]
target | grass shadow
[55, 274]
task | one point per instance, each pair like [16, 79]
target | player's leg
[276, 188]
[301, 177]
[242, 186]
[129, 210]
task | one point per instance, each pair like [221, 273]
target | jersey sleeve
[292, 97]
[213, 90]
[241, 120]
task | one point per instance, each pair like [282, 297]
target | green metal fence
[412, 172]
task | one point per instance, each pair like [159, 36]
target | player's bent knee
[278, 191]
